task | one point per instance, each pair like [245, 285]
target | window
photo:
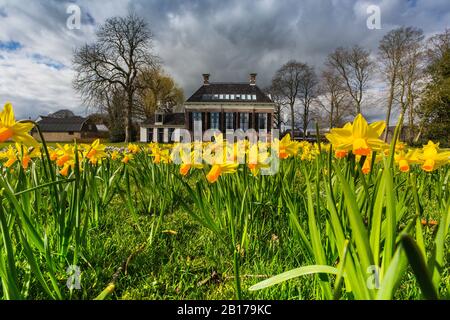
[149, 135]
[249, 97]
[216, 97]
[215, 117]
[197, 116]
[238, 97]
[262, 121]
[229, 120]
[207, 97]
[160, 135]
[221, 97]
[197, 121]
[159, 118]
[71, 133]
[232, 97]
[254, 97]
[244, 121]
[169, 138]
[227, 97]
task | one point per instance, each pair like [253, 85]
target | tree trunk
[358, 107]
[389, 107]
[292, 121]
[305, 124]
[331, 114]
[279, 117]
[129, 119]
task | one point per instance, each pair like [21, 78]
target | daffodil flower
[432, 158]
[115, 155]
[218, 169]
[359, 137]
[133, 148]
[127, 158]
[21, 153]
[404, 160]
[257, 160]
[66, 158]
[16, 131]
[160, 155]
[11, 156]
[286, 147]
[95, 152]
[190, 161]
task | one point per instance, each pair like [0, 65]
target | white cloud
[229, 39]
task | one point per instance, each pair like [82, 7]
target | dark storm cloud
[228, 39]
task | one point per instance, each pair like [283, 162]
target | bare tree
[354, 67]
[393, 49]
[308, 92]
[438, 46]
[122, 51]
[280, 105]
[411, 76]
[334, 99]
[287, 83]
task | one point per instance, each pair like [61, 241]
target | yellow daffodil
[95, 152]
[404, 160]
[341, 154]
[127, 158]
[160, 155]
[432, 158]
[218, 169]
[25, 155]
[53, 154]
[190, 161]
[286, 147]
[11, 156]
[115, 155]
[359, 137]
[66, 158]
[133, 148]
[367, 165]
[257, 160]
[16, 131]
[20, 153]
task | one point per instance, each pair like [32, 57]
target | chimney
[206, 79]
[253, 79]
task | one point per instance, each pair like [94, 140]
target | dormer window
[159, 118]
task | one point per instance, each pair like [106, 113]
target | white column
[144, 135]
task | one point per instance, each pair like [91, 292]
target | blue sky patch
[10, 46]
[49, 62]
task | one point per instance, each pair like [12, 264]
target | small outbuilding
[65, 126]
